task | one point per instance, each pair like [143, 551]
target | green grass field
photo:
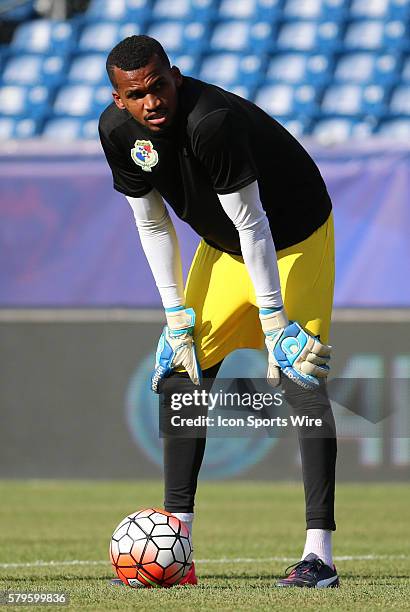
[54, 536]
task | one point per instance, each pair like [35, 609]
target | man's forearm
[160, 244]
[245, 210]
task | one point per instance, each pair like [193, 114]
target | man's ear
[177, 76]
[118, 100]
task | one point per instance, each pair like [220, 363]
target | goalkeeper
[262, 274]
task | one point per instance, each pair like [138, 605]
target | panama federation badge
[144, 154]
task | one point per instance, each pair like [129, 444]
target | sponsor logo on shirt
[144, 154]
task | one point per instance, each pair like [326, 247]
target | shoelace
[303, 567]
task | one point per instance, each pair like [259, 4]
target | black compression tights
[183, 455]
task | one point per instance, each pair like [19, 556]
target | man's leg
[318, 449]
[183, 455]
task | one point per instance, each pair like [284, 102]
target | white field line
[223, 561]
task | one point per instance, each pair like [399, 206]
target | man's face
[149, 94]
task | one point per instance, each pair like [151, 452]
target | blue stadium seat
[364, 34]
[82, 100]
[284, 100]
[104, 36]
[226, 69]
[299, 68]
[89, 68]
[242, 90]
[44, 36]
[380, 9]
[371, 9]
[376, 34]
[232, 9]
[34, 69]
[367, 67]
[340, 129]
[315, 9]
[396, 129]
[309, 36]
[70, 128]
[187, 63]
[16, 129]
[243, 36]
[354, 100]
[28, 102]
[296, 126]
[400, 100]
[171, 9]
[119, 10]
[177, 37]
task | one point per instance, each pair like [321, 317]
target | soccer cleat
[311, 572]
[190, 578]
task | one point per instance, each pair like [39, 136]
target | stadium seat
[104, 36]
[354, 100]
[340, 129]
[178, 37]
[242, 91]
[82, 100]
[187, 63]
[70, 128]
[232, 9]
[315, 9]
[380, 9]
[396, 129]
[34, 69]
[44, 36]
[309, 36]
[364, 34]
[367, 67]
[119, 10]
[299, 68]
[225, 69]
[89, 68]
[283, 100]
[16, 129]
[171, 9]
[376, 34]
[370, 9]
[243, 36]
[297, 127]
[400, 100]
[27, 102]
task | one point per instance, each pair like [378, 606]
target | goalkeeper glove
[176, 348]
[293, 351]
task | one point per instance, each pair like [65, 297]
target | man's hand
[300, 356]
[176, 348]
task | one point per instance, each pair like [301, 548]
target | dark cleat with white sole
[310, 573]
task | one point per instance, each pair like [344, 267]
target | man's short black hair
[134, 52]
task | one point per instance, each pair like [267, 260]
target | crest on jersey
[144, 154]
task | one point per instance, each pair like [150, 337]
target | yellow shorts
[220, 291]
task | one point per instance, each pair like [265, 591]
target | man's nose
[151, 102]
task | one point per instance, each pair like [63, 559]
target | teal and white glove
[293, 351]
[176, 347]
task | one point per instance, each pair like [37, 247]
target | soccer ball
[151, 548]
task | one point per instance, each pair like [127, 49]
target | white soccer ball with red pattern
[151, 548]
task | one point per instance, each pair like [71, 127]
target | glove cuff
[273, 321]
[180, 319]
